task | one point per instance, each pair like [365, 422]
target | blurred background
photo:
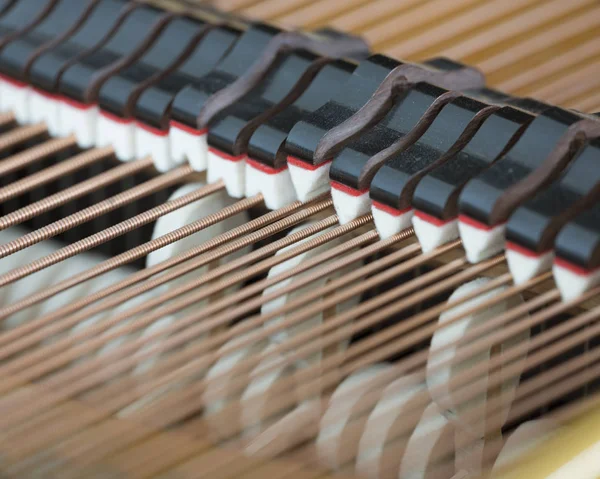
[549, 49]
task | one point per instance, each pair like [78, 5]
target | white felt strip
[15, 98]
[481, 243]
[525, 267]
[157, 146]
[573, 284]
[388, 224]
[118, 134]
[349, 207]
[81, 122]
[232, 172]
[432, 236]
[276, 188]
[44, 108]
[309, 182]
[188, 146]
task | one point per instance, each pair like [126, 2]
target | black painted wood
[347, 167]
[154, 104]
[536, 223]
[456, 124]
[267, 144]
[304, 137]
[578, 242]
[189, 101]
[480, 196]
[437, 192]
[46, 70]
[82, 80]
[21, 18]
[5, 5]
[230, 130]
[119, 94]
[60, 23]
